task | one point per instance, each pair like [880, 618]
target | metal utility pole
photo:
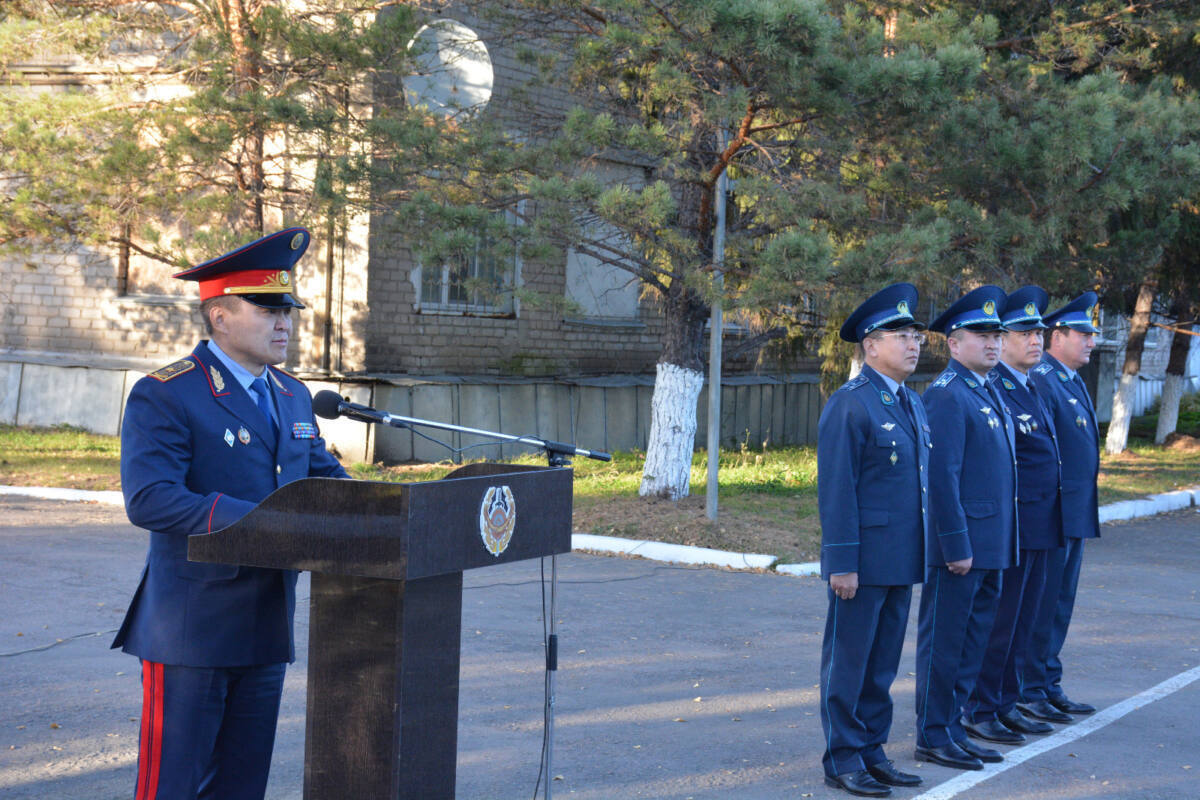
[714, 346]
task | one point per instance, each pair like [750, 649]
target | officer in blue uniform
[872, 469]
[991, 713]
[1069, 348]
[973, 530]
[203, 441]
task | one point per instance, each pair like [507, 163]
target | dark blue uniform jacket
[872, 468]
[1039, 467]
[1078, 442]
[973, 474]
[196, 456]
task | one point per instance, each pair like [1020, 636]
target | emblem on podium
[497, 518]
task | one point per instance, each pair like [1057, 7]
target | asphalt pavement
[673, 682]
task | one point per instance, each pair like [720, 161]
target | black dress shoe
[1014, 721]
[950, 755]
[860, 783]
[978, 751]
[885, 772]
[991, 730]
[1041, 709]
[1070, 706]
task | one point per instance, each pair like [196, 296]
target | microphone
[331, 405]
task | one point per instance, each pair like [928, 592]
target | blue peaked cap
[888, 308]
[979, 309]
[259, 272]
[1076, 314]
[1024, 308]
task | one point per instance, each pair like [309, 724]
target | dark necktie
[262, 397]
[1042, 413]
[906, 404]
[997, 405]
[1082, 388]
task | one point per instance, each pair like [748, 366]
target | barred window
[477, 281]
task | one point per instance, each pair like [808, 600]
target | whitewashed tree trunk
[1181, 348]
[668, 467]
[1122, 410]
[1168, 407]
[1122, 415]
[856, 364]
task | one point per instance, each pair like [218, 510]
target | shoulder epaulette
[944, 379]
[857, 381]
[173, 370]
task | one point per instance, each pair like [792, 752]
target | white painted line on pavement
[1075, 730]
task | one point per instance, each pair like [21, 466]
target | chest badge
[991, 417]
[894, 458]
[1024, 425]
[229, 437]
[243, 436]
[887, 426]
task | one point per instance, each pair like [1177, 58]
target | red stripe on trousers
[150, 753]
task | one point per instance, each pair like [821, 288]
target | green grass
[59, 456]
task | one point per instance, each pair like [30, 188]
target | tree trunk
[1168, 407]
[677, 384]
[668, 468]
[1122, 413]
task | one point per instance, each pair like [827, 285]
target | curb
[688, 554]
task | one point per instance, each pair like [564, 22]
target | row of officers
[983, 489]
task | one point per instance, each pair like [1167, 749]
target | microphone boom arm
[557, 452]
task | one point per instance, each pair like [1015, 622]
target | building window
[477, 281]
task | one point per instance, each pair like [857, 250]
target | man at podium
[203, 441]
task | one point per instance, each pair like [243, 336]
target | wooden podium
[386, 609]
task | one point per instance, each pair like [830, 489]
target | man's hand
[960, 567]
[844, 586]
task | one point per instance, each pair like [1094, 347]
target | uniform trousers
[997, 689]
[207, 733]
[860, 655]
[953, 627]
[1042, 674]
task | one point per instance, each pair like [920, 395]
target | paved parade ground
[674, 682]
